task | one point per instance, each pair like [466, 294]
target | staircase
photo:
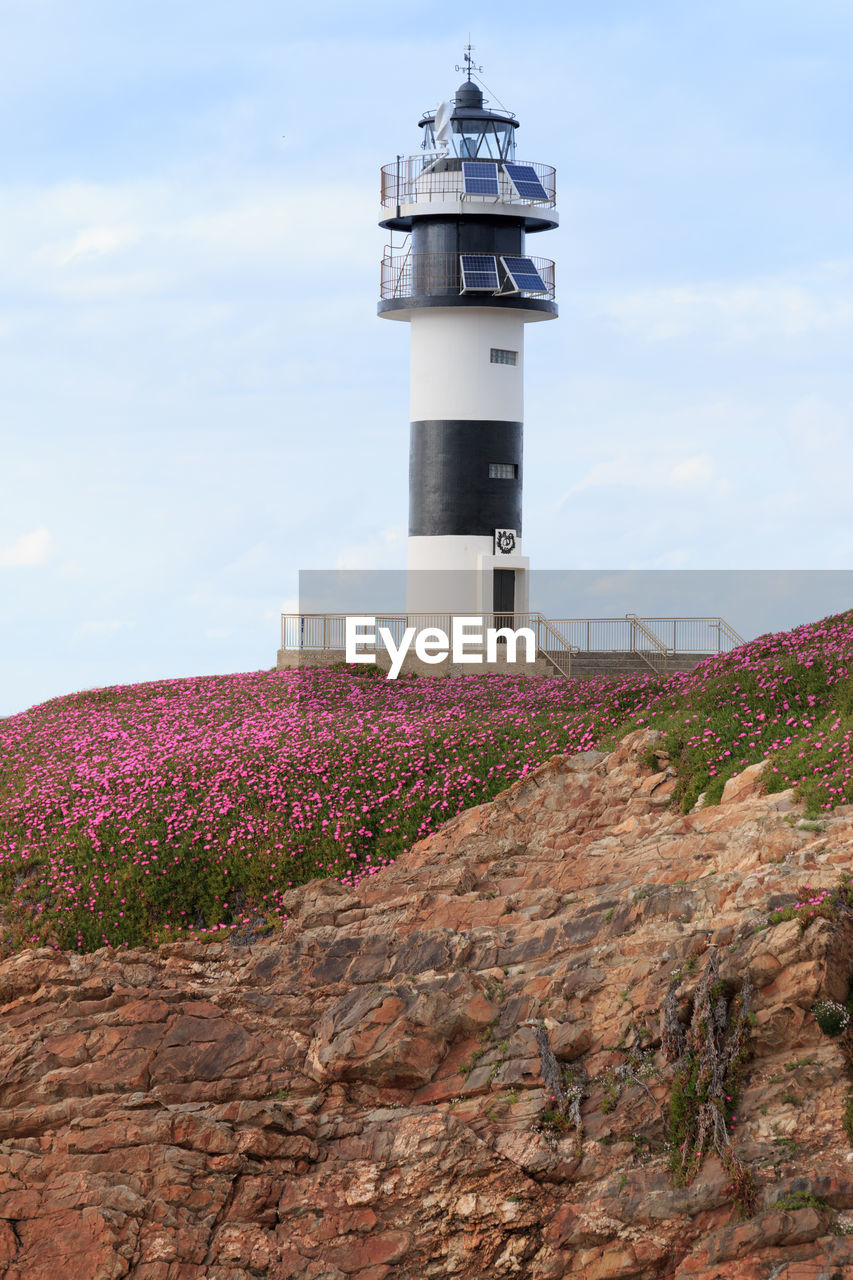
[588, 664]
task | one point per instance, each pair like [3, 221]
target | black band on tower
[450, 488]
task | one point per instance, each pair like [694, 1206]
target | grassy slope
[137, 814]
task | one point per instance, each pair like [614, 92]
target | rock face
[392, 1088]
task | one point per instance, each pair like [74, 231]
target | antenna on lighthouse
[467, 63]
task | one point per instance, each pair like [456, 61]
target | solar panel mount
[480, 178]
[479, 272]
[526, 181]
[523, 275]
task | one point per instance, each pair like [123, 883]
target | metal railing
[554, 647]
[652, 640]
[327, 631]
[431, 275]
[676, 635]
[423, 179]
[646, 645]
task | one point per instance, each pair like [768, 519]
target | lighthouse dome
[469, 95]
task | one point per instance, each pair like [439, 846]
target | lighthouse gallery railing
[313, 631]
[431, 275]
[654, 637]
[420, 179]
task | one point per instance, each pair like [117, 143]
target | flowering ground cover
[786, 697]
[138, 814]
[188, 807]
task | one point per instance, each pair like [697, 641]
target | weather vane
[468, 62]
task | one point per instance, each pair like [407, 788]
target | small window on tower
[503, 471]
[499, 356]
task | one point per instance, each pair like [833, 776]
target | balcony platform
[432, 184]
[577, 648]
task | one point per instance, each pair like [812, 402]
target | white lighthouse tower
[463, 280]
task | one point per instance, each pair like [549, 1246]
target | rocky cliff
[472, 1066]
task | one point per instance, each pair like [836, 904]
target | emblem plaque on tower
[506, 541]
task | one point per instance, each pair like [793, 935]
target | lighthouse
[460, 274]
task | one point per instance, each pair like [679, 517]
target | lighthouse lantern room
[464, 281]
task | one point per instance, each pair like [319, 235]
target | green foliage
[790, 1144]
[556, 1121]
[612, 1092]
[743, 1187]
[816, 904]
[740, 714]
[705, 1087]
[832, 1018]
[466, 1068]
[359, 670]
[801, 1200]
[190, 808]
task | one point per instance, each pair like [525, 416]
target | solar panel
[480, 178]
[525, 181]
[524, 275]
[479, 271]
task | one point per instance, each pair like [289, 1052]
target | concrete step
[591, 663]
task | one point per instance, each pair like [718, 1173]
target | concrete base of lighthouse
[456, 574]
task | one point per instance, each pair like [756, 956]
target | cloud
[103, 626]
[787, 307]
[289, 605]
[691, 473]
[27, 551]
[155, 235]
[98, 241]
[633, 472]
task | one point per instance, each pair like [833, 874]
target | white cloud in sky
[635, 470]
[745, 311]
[27, 551]
[99, 241]
[289, 605]
[692, 473]
[104, 627]
[165, 232]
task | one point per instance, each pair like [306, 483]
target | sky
[197, 399]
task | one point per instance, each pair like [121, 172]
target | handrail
[423, 179]
[430, 275]
[723, 627]
[655, 657]
[562, 662]
[659, 636]
[682, 635]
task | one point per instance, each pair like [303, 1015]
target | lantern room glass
[486, 139]
[476, 138]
